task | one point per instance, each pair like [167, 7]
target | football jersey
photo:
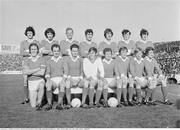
[109, 68]
[150, 66]
[85, 46]
[130, 45]
[24, 47]
[65, 46]
[144, 45]
[93, 69]
[56, 67]
[122, 65]
[33, 64]
[106, 44]
[46, 44]
[74, 66]
[137, 67]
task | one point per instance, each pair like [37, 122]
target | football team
[127, 68]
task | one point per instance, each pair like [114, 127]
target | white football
[76, 102]
[112, 102]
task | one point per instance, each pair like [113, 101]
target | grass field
[13, 114]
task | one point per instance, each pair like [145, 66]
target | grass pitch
[14, 114]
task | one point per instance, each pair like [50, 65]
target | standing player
[65, 44]
[55, 77]
[94, 74]
[108, 43]
[86, 45]
[74, 71]
[46, 44]
[24, 52]
[143, 43]
[34, 67]
[126, 42]
[151, 66]
[137, 68]
[122, 66]
[110, 79]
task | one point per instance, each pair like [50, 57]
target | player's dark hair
[92, 49]
[74, 46]
[137, 50]
[49, 30]
[122, 49]
[30, 29]
[144, 32]
[148, 49]
[107, 30]
[107, 50]
[69, 28]
[125, 31]
[33, 44]
[55, 46]
[88, 31]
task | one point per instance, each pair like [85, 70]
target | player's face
[29, 34]
[124, 53]
[108, 55]
[126, 36]
[89, 36]
[74, 52]
[139, 55]
[69, 34]
[50, 36]
[92, 55]
[34, 51]
[151, 54]
[144, 37]
[56, 52]
[108, 36]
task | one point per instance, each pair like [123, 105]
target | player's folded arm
[28, 71]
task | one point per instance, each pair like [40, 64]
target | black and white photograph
[89, 64]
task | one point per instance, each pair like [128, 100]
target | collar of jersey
[34, 59]
[30, 40]
[106, 61]
[127, 42]
[138, 61]
[147, 58]
[143, 41]
[55, 59]
[49, 41]
[70, 41]
[123, 59]
[74, 59]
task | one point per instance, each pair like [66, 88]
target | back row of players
[85, 65]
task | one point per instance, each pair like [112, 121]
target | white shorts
[34, 85]
[56, 80]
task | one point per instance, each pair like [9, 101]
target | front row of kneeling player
[94, 75]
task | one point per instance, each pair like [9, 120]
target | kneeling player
[35, 68]
[74, 71]
[150, 66]
[94, 74]
[55, 77]
[137, 67]
[109, 73]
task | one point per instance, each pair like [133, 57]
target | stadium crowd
[10, 62]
